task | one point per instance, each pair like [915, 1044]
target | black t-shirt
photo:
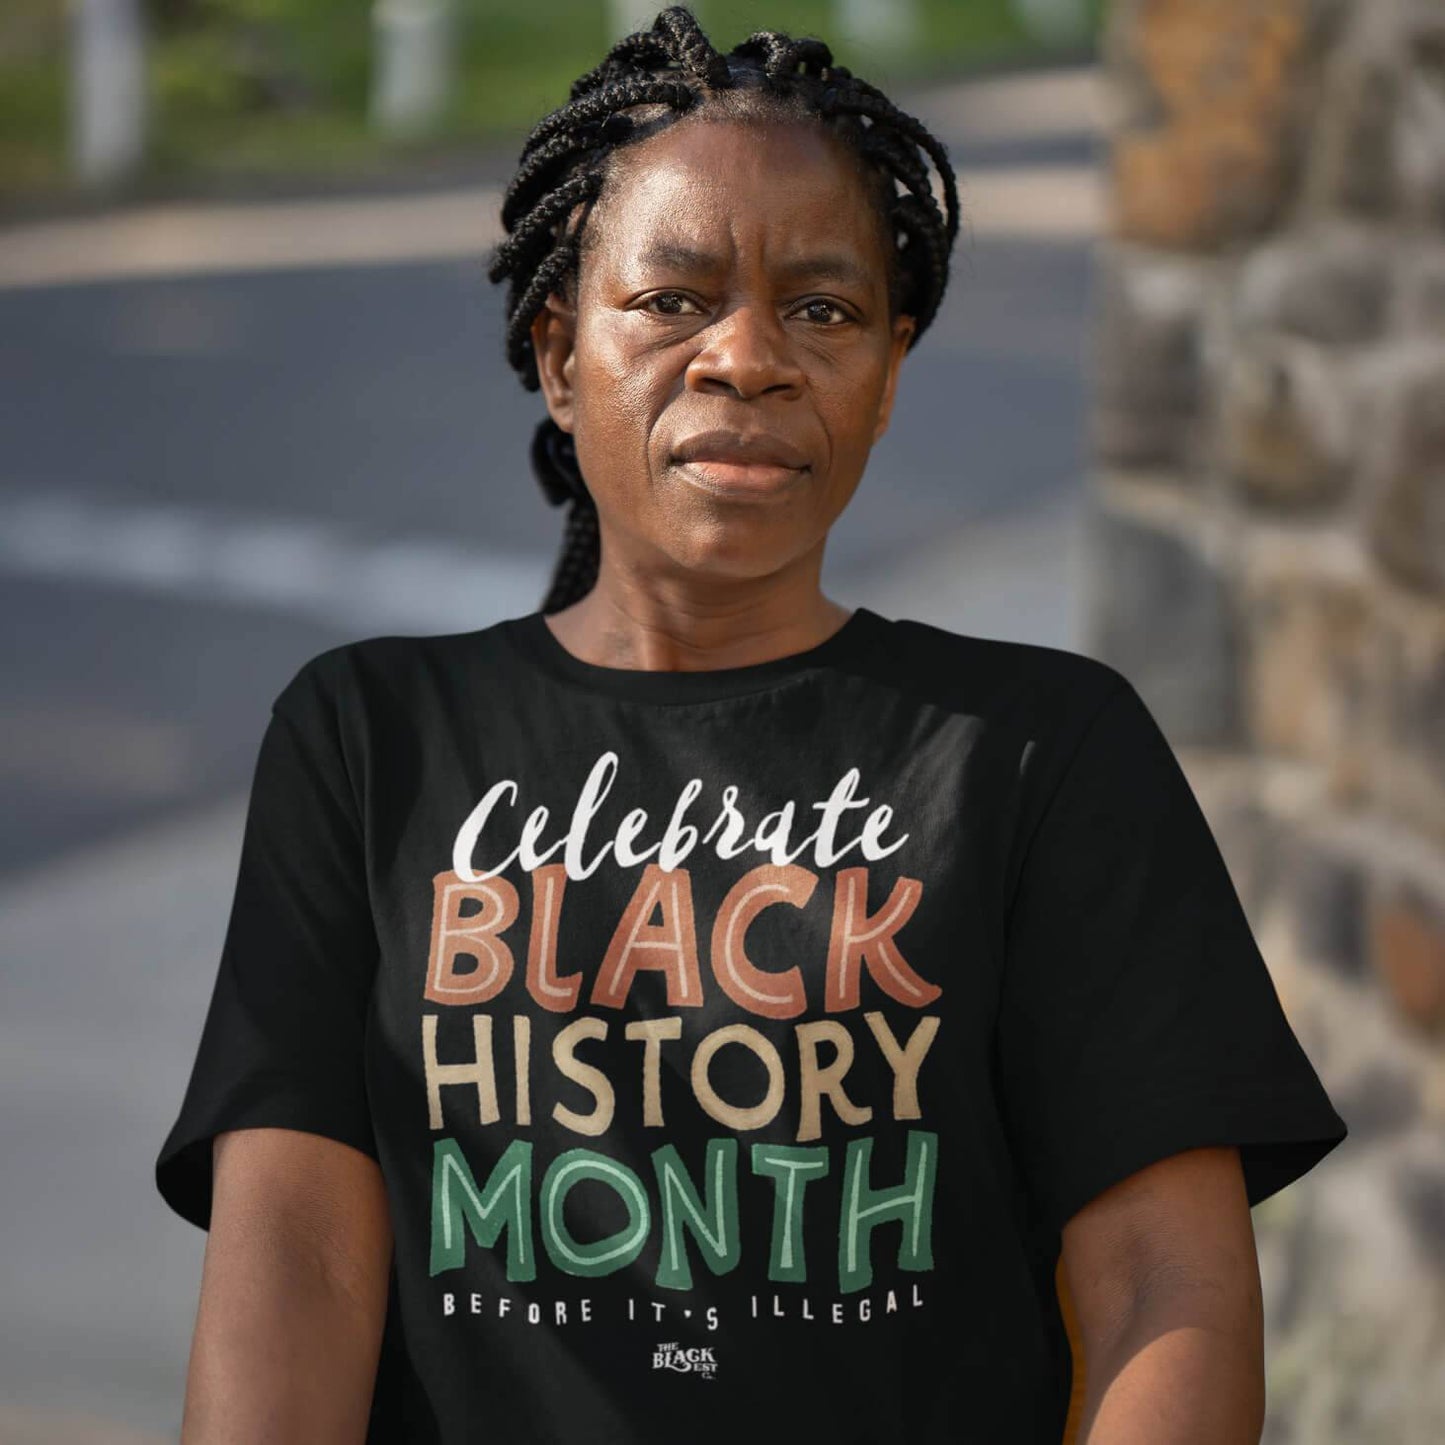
[734, 1044]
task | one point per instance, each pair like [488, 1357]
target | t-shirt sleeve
[1137, 1017]
[283, 1041]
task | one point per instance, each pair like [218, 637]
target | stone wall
[1267, 549]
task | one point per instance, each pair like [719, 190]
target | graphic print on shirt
[779, 1134]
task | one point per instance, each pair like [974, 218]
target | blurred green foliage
[32, 92]
[276, 86]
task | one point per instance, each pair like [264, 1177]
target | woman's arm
[293, 1293]
[1163, 1275]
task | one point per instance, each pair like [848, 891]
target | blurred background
[1183, 410]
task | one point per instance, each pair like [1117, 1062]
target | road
[212, 470]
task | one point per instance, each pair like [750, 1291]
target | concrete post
[107, 89]
[412, 70]
[625, 16]
[887, 25]
[1055, 22]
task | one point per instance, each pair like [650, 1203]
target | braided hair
[647, 80]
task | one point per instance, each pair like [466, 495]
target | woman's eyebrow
[833, 266]
[674, 256]
[830, 267]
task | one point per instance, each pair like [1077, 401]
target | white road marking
[292, 565]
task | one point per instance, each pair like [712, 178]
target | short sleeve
[283, 1041]
[1137, 1017]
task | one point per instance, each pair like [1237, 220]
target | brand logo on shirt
[695, 1360]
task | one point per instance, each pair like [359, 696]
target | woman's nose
[747, 350]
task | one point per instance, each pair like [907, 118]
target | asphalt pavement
[233, 435]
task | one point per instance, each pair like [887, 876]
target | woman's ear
[554, 330]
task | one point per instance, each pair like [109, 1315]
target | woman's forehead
[692, 195]
[698, 159]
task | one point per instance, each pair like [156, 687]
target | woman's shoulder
[365, 671]
[990, 675]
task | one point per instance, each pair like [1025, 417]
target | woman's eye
[673, 303]
[669, 297]
[827, 306]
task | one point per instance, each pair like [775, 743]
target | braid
[564, 164]
[864, 99]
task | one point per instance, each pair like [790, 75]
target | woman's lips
[743, 479]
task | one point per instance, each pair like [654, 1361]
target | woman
[696, 1007]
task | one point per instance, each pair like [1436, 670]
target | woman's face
[735, 284]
